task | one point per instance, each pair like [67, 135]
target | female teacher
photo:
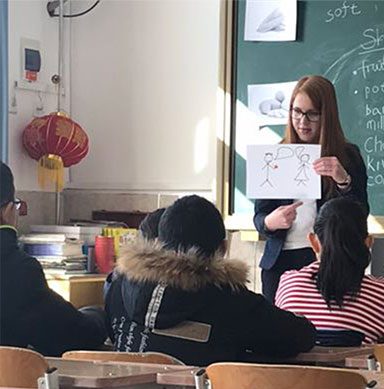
[313, 119]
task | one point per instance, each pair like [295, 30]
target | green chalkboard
[342, 40]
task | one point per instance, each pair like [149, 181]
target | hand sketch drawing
[281, 153]
[270, 102]
[302, 174]
[284, 152]
[273, 22]
[282, 171]
[268, 158]
[275, 107]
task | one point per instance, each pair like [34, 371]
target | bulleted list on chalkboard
[370, 73]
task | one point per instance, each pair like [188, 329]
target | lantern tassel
[50, 172]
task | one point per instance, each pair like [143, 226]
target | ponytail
[341, 227]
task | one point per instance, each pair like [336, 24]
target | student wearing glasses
[313, 119]
[31, 314]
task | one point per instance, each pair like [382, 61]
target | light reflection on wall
[249, 131]
[201, 146]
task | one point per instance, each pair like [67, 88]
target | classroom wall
[144, 85]
[29, 19]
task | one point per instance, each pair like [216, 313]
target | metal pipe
[59, 72]
[60, 56]
[58, 207]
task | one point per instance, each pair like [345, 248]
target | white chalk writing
[342, 11]
[367, 67]
[374, 41]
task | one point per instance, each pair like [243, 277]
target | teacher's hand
[282, 217]
[331, 167]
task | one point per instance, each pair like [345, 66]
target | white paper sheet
[272, 20]
[270, 102]
[283, 171]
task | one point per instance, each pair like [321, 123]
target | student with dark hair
[179, 296]
[313, 119]
[149, 227]
[31, 314]
[193, 222]
[333, 292]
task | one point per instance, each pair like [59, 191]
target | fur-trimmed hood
[145, 261]
[196, 309]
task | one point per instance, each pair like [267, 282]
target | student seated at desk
[333, 292]
[31, 314]
[149, 227]
[179, 296]
[149, 230]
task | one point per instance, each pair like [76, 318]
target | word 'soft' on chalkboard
[341, 40]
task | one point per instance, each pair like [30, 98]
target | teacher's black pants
[287, 260]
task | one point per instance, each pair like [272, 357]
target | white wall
[29, 19]
[143, 85]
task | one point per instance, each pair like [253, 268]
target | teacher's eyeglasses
[312, 116]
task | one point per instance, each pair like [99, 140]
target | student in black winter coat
[181, 297]
[31, 314]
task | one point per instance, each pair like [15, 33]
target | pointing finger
[295, 205]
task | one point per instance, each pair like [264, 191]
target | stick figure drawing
[282, 171]
[268, 158]
[302, 171]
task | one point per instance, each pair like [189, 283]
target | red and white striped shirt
[298, 293]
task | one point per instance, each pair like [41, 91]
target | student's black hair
[149, 227]
[7, 187]
[192, 221]
[341, 227]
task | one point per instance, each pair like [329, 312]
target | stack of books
[56, 252]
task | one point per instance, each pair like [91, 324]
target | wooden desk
[87, 374]
[357, 362]
[373, 376]
[119, 375]
[178, 378]
[80, 290]
[185, 378]
[331, 356]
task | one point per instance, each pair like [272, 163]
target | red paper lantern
[56, 141]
